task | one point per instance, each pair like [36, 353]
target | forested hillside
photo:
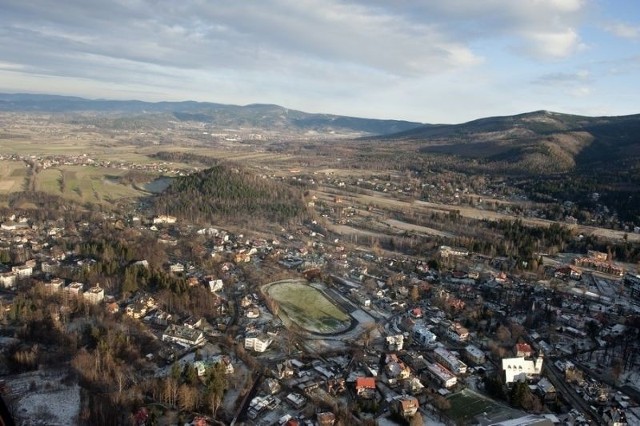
[230, 193]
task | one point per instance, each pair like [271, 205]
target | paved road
[576, 401]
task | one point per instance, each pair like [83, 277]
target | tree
[503, 334]
[216, 384]
[415, 293]
[170, 391]
[188, 397]
[416, 420]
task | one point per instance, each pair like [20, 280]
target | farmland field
[12, 176]
[84, 184]
[308, 307]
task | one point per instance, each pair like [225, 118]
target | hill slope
[229, 193]
[540, 142]
[552, 155]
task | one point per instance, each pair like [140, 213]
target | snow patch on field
[51, 407]
[43, 398]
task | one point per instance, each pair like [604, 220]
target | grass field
[467, 404]
[308, 307]
[84, 184]
[12, 176]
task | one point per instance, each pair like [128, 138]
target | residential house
[22, 270]
[215, 285]
[366, 387]
[7, 279]
[75, 289]
[325, 418]
[450, 361]
[406, 406]
[523, 349]
[568, 272]
[423, 335]
[225, 361]
[164, 219]
[446, 251]
[458, 333]
[296, 400]
[94, 295]
[184, 336]
[474, 354]
[50, 267]
[176, 267]
[395, 343]
[441, 375]
[546, 389]
[54, 285]
[257, 342]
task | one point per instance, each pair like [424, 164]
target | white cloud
[415, 59]
[623, 30]
[553, 45]
[580, 91]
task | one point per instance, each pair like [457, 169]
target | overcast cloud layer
[430, 61]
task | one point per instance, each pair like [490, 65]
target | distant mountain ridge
[266, 116]
[536, 142]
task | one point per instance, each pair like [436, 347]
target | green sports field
[467, 404]
[308, 307]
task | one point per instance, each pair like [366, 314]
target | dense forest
[230, 193]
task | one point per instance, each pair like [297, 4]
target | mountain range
[554, 155]
[260, 116]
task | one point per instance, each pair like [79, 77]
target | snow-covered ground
[50, 407]
[44, 398]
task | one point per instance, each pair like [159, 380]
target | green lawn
[308, 307]
[467, 404]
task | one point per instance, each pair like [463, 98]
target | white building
[215, 285]
[450, 361]
[184, 336]
[395, 343]
[445, 377]
[22, 270]
[54, 285]
[520, 369]
[163, 218]
[176, 267]
[257, 343]
[7, 279]
[75, 288]
[95, 295]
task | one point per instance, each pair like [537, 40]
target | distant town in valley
[203, 264]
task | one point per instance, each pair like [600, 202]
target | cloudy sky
[423, 60]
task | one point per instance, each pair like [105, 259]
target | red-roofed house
[366, 387]
[523, 349]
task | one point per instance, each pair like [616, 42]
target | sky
[432, 61]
